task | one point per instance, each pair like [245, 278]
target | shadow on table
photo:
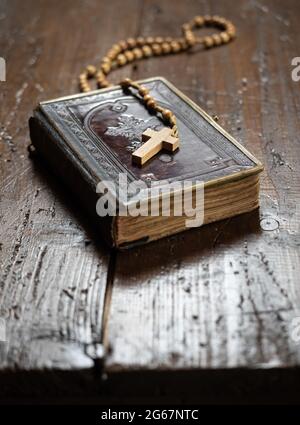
[196, 244]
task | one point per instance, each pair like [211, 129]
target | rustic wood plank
[222, 296]
[227, 293]
[53, 270]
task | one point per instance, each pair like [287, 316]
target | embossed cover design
[106, 126]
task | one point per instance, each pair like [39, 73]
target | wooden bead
[184, 45]
[100, 75]
[126, 82]
[111, 55]
[217, 39]
[159, 40]
[222, 22]
[123, 45]
[186, 27]
[151, 103]
[143, 91]
[105, 83]
[166, 48]
[207, 19]
[157, 49]
[138, 53]
[231, 31]
[129, 55]
[116, 48]
[225, 37]
[83, 77]
[105, 67]
[199, 21]
[172, 120]
[190, 39]
[208, 42]
[147, 98]
[147, 51]
[91, 70]
[167, 114]
[121, 59]
[140, 41]
[175, 46]
[131, 42]
[149, 40]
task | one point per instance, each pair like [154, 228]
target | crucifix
[155, 141]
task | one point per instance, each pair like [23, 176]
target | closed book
[88, 141]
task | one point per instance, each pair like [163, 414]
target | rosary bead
[231, 31]
[186, 27]
[105, 67]
[225, 37]
[207, 19]
[175, 46]
[208, 42]
[83, 77]
[184, 45]
[143, 91]
[138, 53]
[167, 114]
[149, 40]
[151, 103]
[147, 97]
[199, 21]
[157, 49]
[147, 51]
[99, 75]
[190, 39]
[131, 42]
[121, 59]
[166, 48]
[217, 39]
[123, 45]
[91, 70]
[105, 84]
[222, 22]
[126, 82]
[111, 55]
[116, 48]
[159, 40]
[140, 41]
[129, 55]
[172, 120]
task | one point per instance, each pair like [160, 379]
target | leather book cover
[96, 133]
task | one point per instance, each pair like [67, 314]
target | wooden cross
[155, 141]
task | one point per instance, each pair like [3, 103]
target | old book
[89, 138]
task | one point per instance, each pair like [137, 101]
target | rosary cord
[134, 49]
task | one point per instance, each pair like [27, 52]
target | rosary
[144, 47]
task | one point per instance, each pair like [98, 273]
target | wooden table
[208, 315]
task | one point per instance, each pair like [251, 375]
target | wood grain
[213, 305]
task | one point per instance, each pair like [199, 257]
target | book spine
[50, 146]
